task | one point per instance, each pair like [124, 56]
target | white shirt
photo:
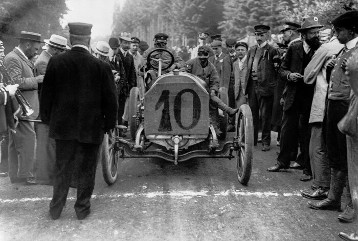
[306, 47]
[81, 46]
[262, 45]
[351, 44]
[21, 52]
[124, 52]
[241, 62]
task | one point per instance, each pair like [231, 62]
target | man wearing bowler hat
[261, 79]
[45, 148]
[297, 98]
[79, 102]
[22, 142]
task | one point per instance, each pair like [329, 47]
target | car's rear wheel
[245, 137]
[109, 158]
[223, 118]
[134, 101]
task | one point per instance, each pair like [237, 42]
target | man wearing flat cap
[45, 147]
[203, 39]
[222, 63]
[138, 60]
[79, 103]
[22, 142]
[160, 41]
[339, 97]
[290, 33]
[261, 79]
[297, 99]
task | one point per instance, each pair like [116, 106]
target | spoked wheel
[134, 101]
[223, 119]
[245, 137]
[110, 158]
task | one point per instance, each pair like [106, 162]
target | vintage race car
[172, 122]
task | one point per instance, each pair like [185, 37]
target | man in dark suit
[297, 98]
[131, 77]
[79, 102]
[261, 79]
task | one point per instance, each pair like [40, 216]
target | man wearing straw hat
[22, 142]
[46, 146]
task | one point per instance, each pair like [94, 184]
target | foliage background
[183, 19]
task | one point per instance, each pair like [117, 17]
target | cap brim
[126, 39]
[46, 41]
[310, 27]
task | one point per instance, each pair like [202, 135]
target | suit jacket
[266, 71]
[223, 67]
[239, 74]
[79, 99]
[21, 71]
[129, 69]
[41, 65]
[292, 63]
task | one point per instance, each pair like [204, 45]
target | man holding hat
[45, 146]
[339, 96]
[261, 79]
[79, 102]
[22, 142]
[298, 99]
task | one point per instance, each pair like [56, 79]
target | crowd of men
[300, 88]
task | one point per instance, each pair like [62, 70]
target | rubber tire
[223, 120]
[110, 176]
[244, 156]
[134, 99]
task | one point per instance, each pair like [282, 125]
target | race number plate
[176, 105]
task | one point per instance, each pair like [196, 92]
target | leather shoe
[305, 178]
[4, 174]
[295, 165]
[348, 215]
[318, 194]
[276, 168]
[83, 215]
[326, 204]
[348, 237]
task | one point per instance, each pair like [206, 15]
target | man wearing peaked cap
[298, 99]
[203, 40]
[45, 148]
[75, 87]
[22, 142]
[339, 97]
[261, 79]
[138, 60]
[290, 33]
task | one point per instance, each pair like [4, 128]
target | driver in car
[201, 67]
[160, 41]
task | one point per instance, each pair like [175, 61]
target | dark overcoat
[266, 71]
[223, 67]
[79, 98]
[292, 63]
[129, 70]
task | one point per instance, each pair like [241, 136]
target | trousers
[4, 162]
[22, 150]
[73, 156]
[321, 171]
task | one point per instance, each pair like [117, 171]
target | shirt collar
[48, 53]
[21, 52]
[351, 44]
[81, 46]
[262, 45]
[219, 55]
[123, 52]
[306, 47]
[294, 40]
[242, 60]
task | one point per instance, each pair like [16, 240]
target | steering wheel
[160, 54]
